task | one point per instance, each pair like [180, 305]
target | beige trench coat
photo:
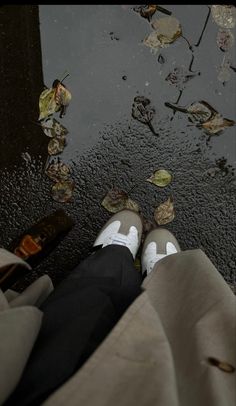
[157, 354]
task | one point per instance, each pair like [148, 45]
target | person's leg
[81, 312]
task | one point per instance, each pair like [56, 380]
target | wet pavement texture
[101, 48]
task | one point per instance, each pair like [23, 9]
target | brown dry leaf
[52, 128]
[217, 124]
[160, 178]
[56, 145]
[62, 191]
[165, 213]
[205, 116]
[114, 201]
[117, 200]
[58, 171]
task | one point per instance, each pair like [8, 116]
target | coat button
[223, 365]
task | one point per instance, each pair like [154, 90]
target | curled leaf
[142, 110]
[62, 97]
[56, 145]
[63, 191]
[117, 200]
[224, 15]
[58, 171]
[164, 213]
[47, 103]
[225, 39]
[160, 178]
[52, 128]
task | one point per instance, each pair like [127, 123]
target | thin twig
[177, 101]
[204, 27]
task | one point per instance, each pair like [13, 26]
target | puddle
[101, 47]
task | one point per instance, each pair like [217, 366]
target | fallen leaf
[160, 178]
[117, 200]
[62, 96]
[224, 74]
[52, 128]
[47, 104]
[63, 191]
[152, 41]
[217, 124]
[179, 77]
[132, 205]
[201, 111]
[197, 111]
[143, 111]
[168, 28]
[56, 145]
[224, 15]
[164, 213]
[205, 116]
[225, 39]
[58, 171]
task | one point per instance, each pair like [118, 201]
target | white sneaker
[158, 244]
[123, 228]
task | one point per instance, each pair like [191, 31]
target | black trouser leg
[77, 317]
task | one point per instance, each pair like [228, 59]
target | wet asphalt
[101, 48]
